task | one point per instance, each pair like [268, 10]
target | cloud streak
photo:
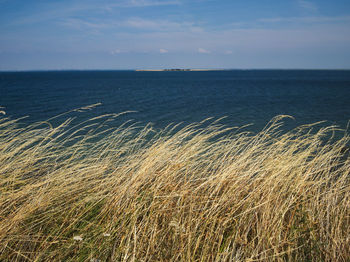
[76, 23]
[141, 3]
[116, 52]
[308, 19]
[160, 25]
[203, 51]
[308, 6]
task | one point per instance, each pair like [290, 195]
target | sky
[152, 34]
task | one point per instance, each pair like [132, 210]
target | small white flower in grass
[78, 238]
[106, 234]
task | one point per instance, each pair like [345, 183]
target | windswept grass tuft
[203, 192]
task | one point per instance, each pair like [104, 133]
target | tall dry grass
[197, 193]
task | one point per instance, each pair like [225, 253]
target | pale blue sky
[131, 34]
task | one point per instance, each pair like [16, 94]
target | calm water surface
[243, 96]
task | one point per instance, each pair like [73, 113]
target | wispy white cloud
[307, 19]
[308, 5]
[242, 41]
[116, 51]
[137, 22]
[141, 3]
[163, 51]
[83, 24]
[54, 10]
[203, 51]
[142, 25]
[174, 26]
[160, 25]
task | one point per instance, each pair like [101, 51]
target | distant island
[176, 69]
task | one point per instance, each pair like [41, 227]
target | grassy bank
[88, 193]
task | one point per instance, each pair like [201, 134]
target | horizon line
[174, 69]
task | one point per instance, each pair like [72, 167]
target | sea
[240, 97]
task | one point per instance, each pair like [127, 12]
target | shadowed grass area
[203, 192]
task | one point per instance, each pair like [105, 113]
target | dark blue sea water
[243, 96]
